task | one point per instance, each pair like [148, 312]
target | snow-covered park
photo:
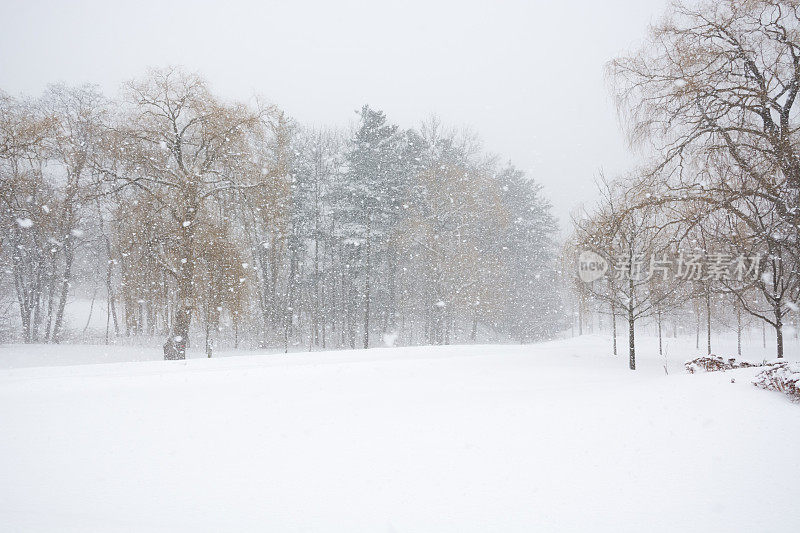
[410, 267]
[552, 436]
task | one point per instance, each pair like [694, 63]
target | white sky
[527, 76]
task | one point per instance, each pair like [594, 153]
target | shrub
[780, 376]
[714, 363]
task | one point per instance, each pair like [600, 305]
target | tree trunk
[572, 317]
[392, 289]
[288, 313]
[631, 319]
[697, 331]
[180, 337]
[91, 310]
[738, 329]
[185, 278]
[779, 330]
[50, 302]
[344, 302]
[209, 349]
[65, 283]
[367, 281]
[111, 310]
[631, 339]
[25, 293]
[708, 323]
[660, 346]
[614, 326]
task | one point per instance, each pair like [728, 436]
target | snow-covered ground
[554, 436]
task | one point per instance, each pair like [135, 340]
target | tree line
[711, 99]
[225, 222]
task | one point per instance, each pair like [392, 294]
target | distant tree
[25, 195]
[78, 117]
[184, 149]
[45, 147]
[533, 310]
[371, 195]
[638, 245]
[193, 210]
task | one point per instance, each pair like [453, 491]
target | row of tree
[191, 213]
[713, 95]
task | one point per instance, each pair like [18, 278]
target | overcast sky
[526, 75]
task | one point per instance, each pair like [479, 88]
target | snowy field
[555, 436]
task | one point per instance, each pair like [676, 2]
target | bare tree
[25, 198]
[637, 244]
[714, 89]
[78, 115]
[183, 149]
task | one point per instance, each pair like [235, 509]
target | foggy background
[526, 76]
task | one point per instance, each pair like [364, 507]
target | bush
[781, 376]
[714, 363]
